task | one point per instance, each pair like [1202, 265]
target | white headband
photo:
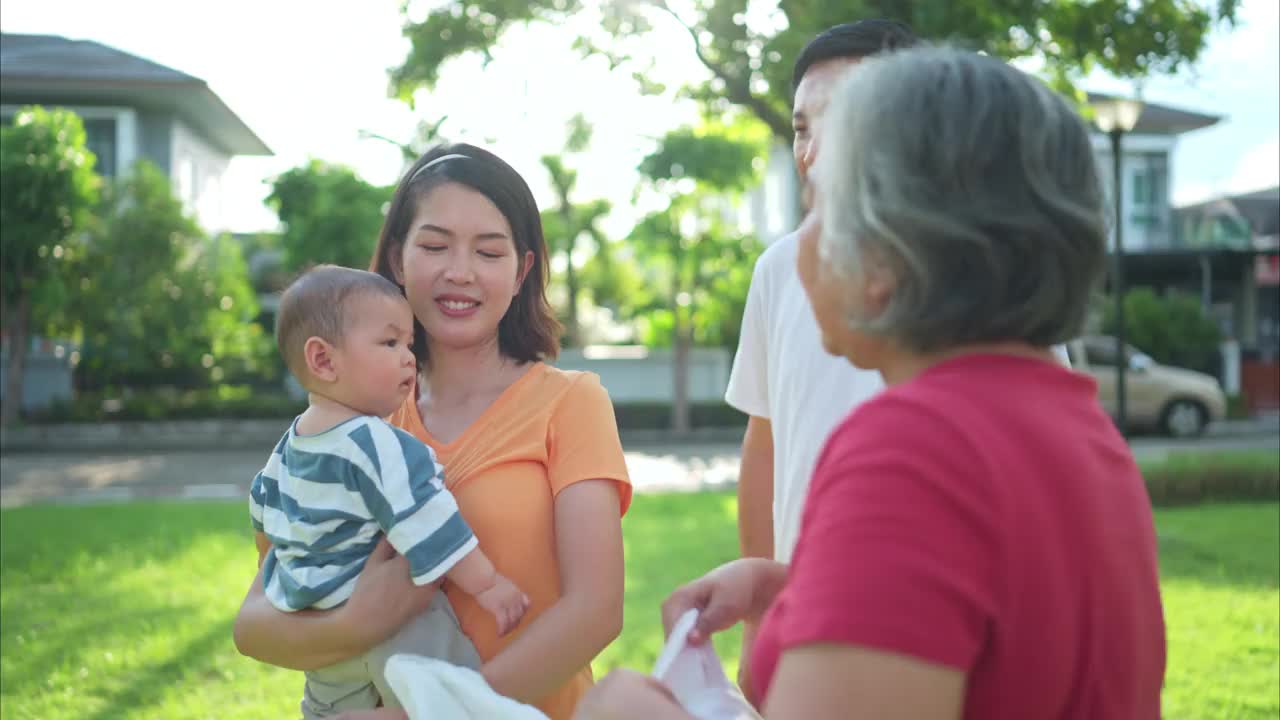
[437, 161]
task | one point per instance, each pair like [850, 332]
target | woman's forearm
[305, 640]
[560, 642]
[384, 599]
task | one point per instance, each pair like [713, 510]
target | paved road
[28, 478]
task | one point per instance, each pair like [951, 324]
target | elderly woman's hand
[629, 695]
[736, 591]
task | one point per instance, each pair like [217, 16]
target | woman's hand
[629, 695]
[734, 592]
[385, 597]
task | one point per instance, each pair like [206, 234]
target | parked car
[1176, 401]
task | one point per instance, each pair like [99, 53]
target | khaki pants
[359, 683]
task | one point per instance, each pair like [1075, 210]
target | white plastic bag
[696, 677]
[430, 689]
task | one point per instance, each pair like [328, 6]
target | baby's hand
[506, 602]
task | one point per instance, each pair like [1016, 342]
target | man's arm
[755, 512]
[755, 490]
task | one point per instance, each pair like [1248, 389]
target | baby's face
[375, 360]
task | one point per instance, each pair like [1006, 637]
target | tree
[158, 302]
[690, 246]
[567, 223]
[427, 134]
[1174, 329]
[749, 63]
[47, 191]
[330, 215]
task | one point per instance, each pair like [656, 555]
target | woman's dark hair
[855, 40]
[529, 331]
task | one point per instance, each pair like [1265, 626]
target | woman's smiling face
[460, 267]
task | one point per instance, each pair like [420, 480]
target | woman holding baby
[531, 452]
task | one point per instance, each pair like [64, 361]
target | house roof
[1260, 209]
[1157, 119]
[54, 69]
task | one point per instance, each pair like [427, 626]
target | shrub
[1191, 477]
[1173, 328]
[657, 415]
[169, 403]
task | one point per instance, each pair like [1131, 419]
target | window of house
[100, 136]
[1150, 180]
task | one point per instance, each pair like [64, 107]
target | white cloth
[782, 373]
[430, 689]
[696, 677]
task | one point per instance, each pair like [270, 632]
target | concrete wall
[634, 374]
[47, 379]
[637, 374]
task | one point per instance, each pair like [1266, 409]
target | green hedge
[242, 401]
[1237, 407]
[225, 401]
[657, 415]
[1188, 478]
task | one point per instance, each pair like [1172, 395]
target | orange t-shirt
[551, 428]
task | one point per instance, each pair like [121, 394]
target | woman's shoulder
[567, 398]
[552, 381]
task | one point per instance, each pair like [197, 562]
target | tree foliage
[695, 259]
[571, 222]
[1173, 329]
[47, 192]
[697, 262]
[748, 55]
[158, 303]
[695, 280]
[330, 215]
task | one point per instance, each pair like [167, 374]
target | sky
[309, 76]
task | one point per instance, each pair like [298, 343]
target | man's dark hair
[852, 40]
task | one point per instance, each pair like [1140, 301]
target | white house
[132, 108]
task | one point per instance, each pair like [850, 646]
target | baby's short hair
[316, 305]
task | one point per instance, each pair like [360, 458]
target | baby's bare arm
[474, 573]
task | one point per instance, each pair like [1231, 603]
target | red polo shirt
[986, 516]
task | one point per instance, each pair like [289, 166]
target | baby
[341, 478]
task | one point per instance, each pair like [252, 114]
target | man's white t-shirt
[783, 374]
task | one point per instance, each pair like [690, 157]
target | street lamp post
[1115, 117]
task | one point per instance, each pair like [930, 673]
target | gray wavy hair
[973, 184]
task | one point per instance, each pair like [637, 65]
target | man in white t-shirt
[793, 391]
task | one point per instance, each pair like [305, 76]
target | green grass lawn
[125, 611]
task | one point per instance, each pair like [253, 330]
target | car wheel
[1184, 419]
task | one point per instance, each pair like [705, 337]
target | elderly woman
[977, 541]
